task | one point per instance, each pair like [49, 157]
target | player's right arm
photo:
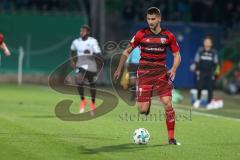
[122, 61]
[133, 44]
[3, 46]
[5, 49]
[73, 50]
[72, 59]
[196, 61]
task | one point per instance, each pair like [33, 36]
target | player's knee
[167, 101]
[168, 107]
[144, 107]
[93, 85]
[143, 111]
[168, 104]
[79, 81]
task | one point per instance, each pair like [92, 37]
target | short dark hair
[154, 10]
[85, 26]
[208, 37]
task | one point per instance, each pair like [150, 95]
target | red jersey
[1, 38]
[154, 46]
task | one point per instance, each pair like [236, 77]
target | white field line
[195, 112]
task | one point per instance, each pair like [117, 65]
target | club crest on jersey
[163, 40]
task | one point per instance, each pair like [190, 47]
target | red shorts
[151, 82]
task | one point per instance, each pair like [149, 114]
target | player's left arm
[175, 49]
[176, 63]
[99, 60]
[73, 53]
[98, 54]
[215, 64]
[215, 59]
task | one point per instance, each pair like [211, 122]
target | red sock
[170, 122]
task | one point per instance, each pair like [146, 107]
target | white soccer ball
[141, 136]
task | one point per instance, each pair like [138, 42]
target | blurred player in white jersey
[86, 48]
[3, 46]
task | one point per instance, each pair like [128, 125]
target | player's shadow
[39, 116]
[128, 147]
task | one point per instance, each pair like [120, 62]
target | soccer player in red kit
[3, 46]
[152, 74]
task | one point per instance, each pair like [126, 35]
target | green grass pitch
[30, 130]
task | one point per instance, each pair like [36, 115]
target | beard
[153, 27]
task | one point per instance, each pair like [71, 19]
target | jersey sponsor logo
[206, 58]
[163, 40]
[160, 49]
